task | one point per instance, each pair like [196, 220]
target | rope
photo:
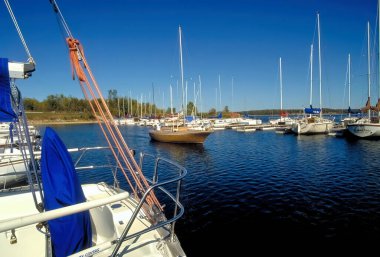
[62, 19]
[103, 115]
[109, 128]
[30, 58]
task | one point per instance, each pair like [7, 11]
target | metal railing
[178, 209]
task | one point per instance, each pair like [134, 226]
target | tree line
[125, 106]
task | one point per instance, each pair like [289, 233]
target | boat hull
[246, 129]
[303, 128]
[364, 130]
[182, 137]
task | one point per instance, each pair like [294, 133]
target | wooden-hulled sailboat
[368, 127]
[182, 135]
[179, 134]
[57, 216]
[313, 121]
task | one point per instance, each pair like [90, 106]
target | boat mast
[311, 76]
[220, 96]
[171, 100]
[280, 88]
[232, 95]
[349, 85]
[369, 72]
[200, 94]
[123, 108]
[320, 65]
[181, 62]
[195, 102]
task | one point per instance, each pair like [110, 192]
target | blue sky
[132, 45]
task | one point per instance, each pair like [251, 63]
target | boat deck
[107, 221]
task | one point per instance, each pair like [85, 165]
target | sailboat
[284, 122]
[179, 133]
[367, 127]
[56, 215]
[349, 119]
[313, 121]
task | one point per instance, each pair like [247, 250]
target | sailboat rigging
[313, 121]
[368, 127]
[61, 217]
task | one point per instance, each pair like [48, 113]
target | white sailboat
[57, 216]
[367, 127]
[349, 119]
[313, 121]
[284, 121]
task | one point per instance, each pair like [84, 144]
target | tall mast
[185, 103]
[349, 84]
[195, 101]
[123, 108]
[216, 99]
[200, 94]
[141, 106]
[154, 104]
[311, 75]
[171, 100]
[181, 62]
[232, 95]
[220, 95]
[320, 65]
[280, 86]
[369, 71]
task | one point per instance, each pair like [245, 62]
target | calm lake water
[247, 190]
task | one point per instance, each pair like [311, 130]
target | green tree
[31, 104]
[191, 108]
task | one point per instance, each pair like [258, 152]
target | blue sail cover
[219, 116]
[6, 111]
[312, 110]
[189, 118]
[61, 186]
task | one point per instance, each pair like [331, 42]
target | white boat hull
[303, 128]
[364, 130]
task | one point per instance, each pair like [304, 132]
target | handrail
[6, 225]
[108, 244]
[182, 172]
[124, 236]
[178, 208]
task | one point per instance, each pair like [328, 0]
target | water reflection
[179, 152]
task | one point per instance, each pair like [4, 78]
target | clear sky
[132, 45]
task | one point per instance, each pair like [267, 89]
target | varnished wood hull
[182, 137]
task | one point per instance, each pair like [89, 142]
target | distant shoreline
[61, 122]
